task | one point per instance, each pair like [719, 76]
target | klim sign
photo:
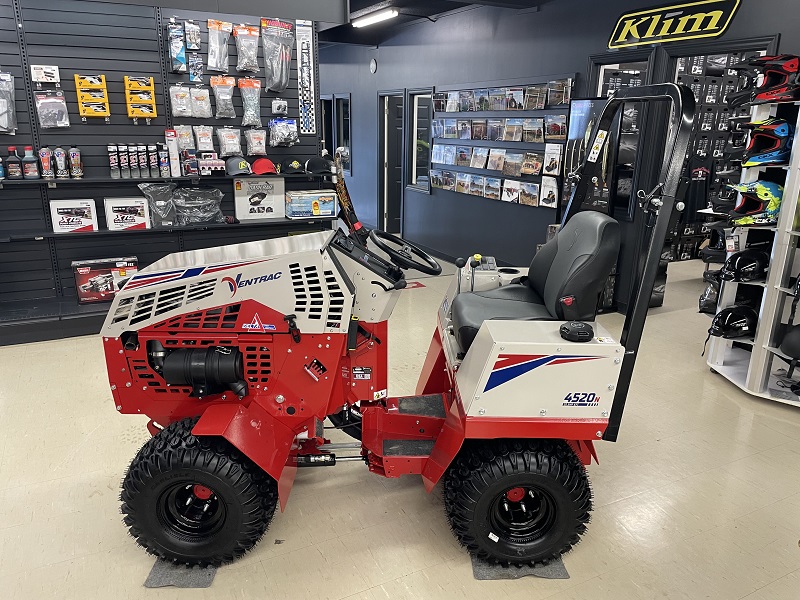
[689, 21]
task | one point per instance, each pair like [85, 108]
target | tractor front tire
[196, 500]
[517, 502]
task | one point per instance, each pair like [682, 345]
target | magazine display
[449, 155]
[463, 156]
[466, 101]
[440, 102]
[462, 183]
[558, 92]
[535, 97]
[436, 178]
[479, 156]
[495, 129]
[497, 99]
[451, 129]
[548, 192]
[552, 159]
[464, 129]
[479, 131]
[476, 184]
[510, 191]
[482, 99]
[448, 181]
[452, 102]
[555, 128]
[515, 99]
[532, 164]
[493, 188]
[533, 130]
[513, 132]
[512, 166]
[497, 157]
[437, 128]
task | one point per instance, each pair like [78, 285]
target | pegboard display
[87, 37]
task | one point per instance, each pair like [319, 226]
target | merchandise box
[308, 205]
[99, 280]
[72, 216]
[127, 213]
[259, 198]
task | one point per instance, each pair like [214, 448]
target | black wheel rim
[522, 514]
[191, 511]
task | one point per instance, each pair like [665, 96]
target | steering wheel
[402, 253]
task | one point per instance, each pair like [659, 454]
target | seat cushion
[514, 301]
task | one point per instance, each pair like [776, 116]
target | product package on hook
[283, 132]
[51, 107]
[181, 101]
[177, 48]
[8, 111]
[185, 137]
[195, 67]
[246, 47]
[162, 206]
[278, 40]
[201, 103]
[230, 142]
[218, 34]
[223, 96]
[251, 102]
[256, 142]
[204, 134]
[192, 31]
[198, 205]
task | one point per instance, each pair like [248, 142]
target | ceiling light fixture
[376, 17]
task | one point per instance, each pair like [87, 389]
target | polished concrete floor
[700, 498]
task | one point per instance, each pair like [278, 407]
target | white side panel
[306, 284]
[525, 369]
[373, 303]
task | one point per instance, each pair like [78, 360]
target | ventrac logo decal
[258, 325]
[511, 366]
[235, 284]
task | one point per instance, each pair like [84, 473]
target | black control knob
[460, 262]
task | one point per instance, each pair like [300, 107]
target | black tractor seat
[564, 280]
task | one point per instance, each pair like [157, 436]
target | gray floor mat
[484, 571]
[166, 573]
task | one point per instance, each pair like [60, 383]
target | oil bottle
[14, 164]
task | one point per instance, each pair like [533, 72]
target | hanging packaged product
[218, 34]
[280, 107]
[192, 33]
[278, 40]
[181, 101]
[140, 98]
[160, 202]
[185, 137]
[204, 136]
[246, 47]
[251, 102]
[8, 112]
[230, 142]
[92, 96]
[201, 103]
[51, 108]
[195, 67]
[223, 96]
[283, 132]
[256, 142]
[177, 48]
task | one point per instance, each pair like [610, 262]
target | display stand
[749, 363]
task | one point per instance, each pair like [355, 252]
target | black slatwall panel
[95, 37]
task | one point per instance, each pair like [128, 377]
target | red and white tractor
[238, 354]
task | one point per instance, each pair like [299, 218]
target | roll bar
[658, 204]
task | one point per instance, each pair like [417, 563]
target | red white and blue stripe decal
[511, 366]
[148, 279]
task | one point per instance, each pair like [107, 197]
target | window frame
[410, 155]
[336, 132]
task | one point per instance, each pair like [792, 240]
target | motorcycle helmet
[747, 265]
[708, 299]
[757, 198]
[770, 143]
[734, 322]
[779, 81]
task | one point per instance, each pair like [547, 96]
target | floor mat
[165, 573]
[485, 571]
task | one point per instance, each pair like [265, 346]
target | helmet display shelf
[750, 363]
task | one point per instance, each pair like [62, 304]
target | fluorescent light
[376, 17]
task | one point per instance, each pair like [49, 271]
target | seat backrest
[577, 263]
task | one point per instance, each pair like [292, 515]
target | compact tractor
[238, 355]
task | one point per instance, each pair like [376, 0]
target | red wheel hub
[201, 492]
[515, 494]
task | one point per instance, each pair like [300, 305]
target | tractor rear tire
[517, 502]
[196, 500]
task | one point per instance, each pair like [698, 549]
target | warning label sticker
[362, 373]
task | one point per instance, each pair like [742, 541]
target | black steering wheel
[402, 253]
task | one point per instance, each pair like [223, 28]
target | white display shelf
[735, 369]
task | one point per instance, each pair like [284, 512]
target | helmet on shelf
[747, 265]
[759, 203]
[734, 322]
[770, 143]
[780, 81]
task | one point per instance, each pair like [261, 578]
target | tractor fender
[256, 434]
[447, 446]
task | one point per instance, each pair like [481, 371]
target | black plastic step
[408, 447]
[426, 406]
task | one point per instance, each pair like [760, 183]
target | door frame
[381, 154]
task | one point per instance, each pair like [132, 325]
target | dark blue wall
[486, 44]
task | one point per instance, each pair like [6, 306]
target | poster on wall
[306, 77]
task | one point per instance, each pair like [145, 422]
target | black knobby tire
[517, 502]
[196, 501]
[349, 423]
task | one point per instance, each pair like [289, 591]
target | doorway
[390, 154]
[326, 104]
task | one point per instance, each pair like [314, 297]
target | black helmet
[779, 82]
[746, 265]
[734, 322]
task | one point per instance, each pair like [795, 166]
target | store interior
[410, 299]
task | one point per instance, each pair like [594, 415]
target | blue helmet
[770, 143]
